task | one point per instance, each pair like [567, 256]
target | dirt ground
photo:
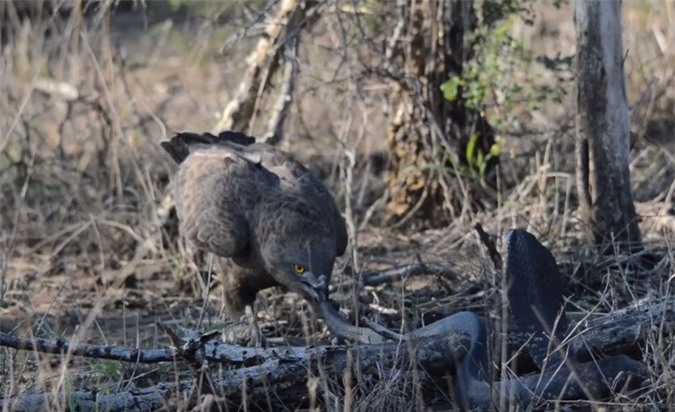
[89, 252]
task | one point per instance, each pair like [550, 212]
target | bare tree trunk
[428, 135]
[603, 130]
[279, 41]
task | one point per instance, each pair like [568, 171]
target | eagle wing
[213, 188]
[306, 184]
[220, 177]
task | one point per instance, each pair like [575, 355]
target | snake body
[535, 291]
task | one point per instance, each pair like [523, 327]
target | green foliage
[495, 11]
[497, 81]
[106, 370]
[451, 88]
[477, 160]
[496, 52]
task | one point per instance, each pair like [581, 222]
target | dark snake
[535, 292]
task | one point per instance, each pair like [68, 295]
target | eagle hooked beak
[313, 288]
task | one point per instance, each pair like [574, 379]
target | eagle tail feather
[179, 145]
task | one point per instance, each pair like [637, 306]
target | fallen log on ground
[285, 369]
[620, 332]
[623, 330]
[454, 346]
[282, 371]
[591, 380]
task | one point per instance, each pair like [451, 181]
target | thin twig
[112, 352]
[275, 126]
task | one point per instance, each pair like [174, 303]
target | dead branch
[275, 126]
[620, 332]
[286, 383]
[623, 330]
[263, 64]
[284, 370]
[240, 109]
[148, 399]
[489, 246]
[111, 352]
[404, 271]
[400, 272]
[594, 380]
[452, 341]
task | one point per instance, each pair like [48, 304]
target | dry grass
[86, 253]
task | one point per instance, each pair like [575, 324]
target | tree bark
[428, 135]
[279, 40]
[603, 130]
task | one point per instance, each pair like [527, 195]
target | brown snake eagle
[270, 219]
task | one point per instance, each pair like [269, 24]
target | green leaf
[450, 88]
[471, 148]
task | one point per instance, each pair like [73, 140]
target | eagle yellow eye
[299, 269]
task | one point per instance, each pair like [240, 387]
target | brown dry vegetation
[86, 252]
